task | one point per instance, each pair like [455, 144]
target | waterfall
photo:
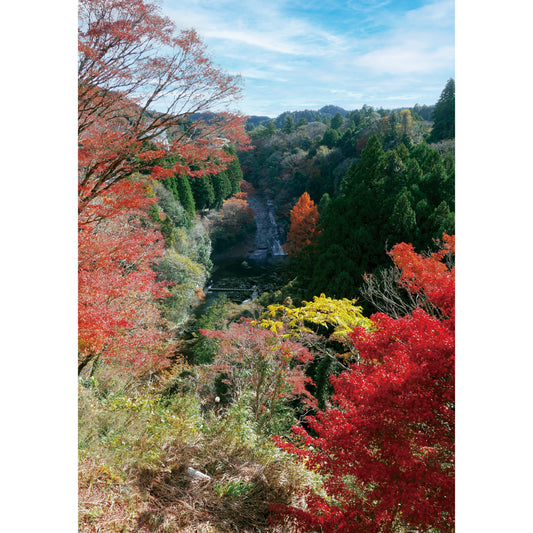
[277, 249]
[252, 268]
[267, 239]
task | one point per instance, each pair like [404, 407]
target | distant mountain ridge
[311, 115]
[326, 112]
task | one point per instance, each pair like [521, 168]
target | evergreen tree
[337, 121]
[394, 174]
[324, 202]
[402, 222]
[221, 187]
[442, 220]
[348, 142]
[203, 193]
[170, 185]
[326, 266]
[184, 192]
[444, 114]
[331, 137]
[434, 183]
[234, 171]
[271, 128]
[385, 198]
[289, 124]
[298, 184]
[204, 349]
[413, 171]
[368, 168]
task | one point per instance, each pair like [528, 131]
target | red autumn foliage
[139, 79]
[118, 319]
[361, 143]
[133, 61]
[260, 362]
[387, 449]
[304, 220]
[429, 275]
[247, 188]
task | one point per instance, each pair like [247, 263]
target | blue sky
[304, 54]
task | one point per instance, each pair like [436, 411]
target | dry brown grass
[169, 501]
[105, 503]
[134, 460]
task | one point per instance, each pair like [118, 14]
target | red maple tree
[304, 220]
[261, 363]
[144, 90]
[118, 318]
[139, 79]
[386, 450]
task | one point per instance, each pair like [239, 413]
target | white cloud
[294, 54]
[438, 14]
[261, 75]
[419, 41]
[256, 24]
[252, 38]
[406, 59]
[346, 94]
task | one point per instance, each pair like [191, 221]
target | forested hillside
[226, 382]
[375, 178]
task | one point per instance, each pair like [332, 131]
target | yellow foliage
[340, 317]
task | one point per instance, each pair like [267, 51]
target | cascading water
[267, 238]
[277, 249]
[248, 269]
[245, 274]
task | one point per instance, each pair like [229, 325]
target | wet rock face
[267, 237]
[248, 269]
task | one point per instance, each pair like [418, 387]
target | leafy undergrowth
[135, 452]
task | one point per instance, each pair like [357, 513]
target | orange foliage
[429, 275]
[247, 188]
[304, 220]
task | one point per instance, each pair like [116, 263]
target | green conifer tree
[444, 114]
[203, 192]
[337, 121]
[271, 127]
[331, 137]
[288, 127]
[324, 202]
[442, 220]
[221, 187]
[184, 192]
[402, 222]
[234, 171]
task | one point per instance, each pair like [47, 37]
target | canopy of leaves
[118, 318]
[260, 364]
[338, 317]
[132, 60]
[386, 198]
[322, 326]
[232, 222]
[386, 450]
